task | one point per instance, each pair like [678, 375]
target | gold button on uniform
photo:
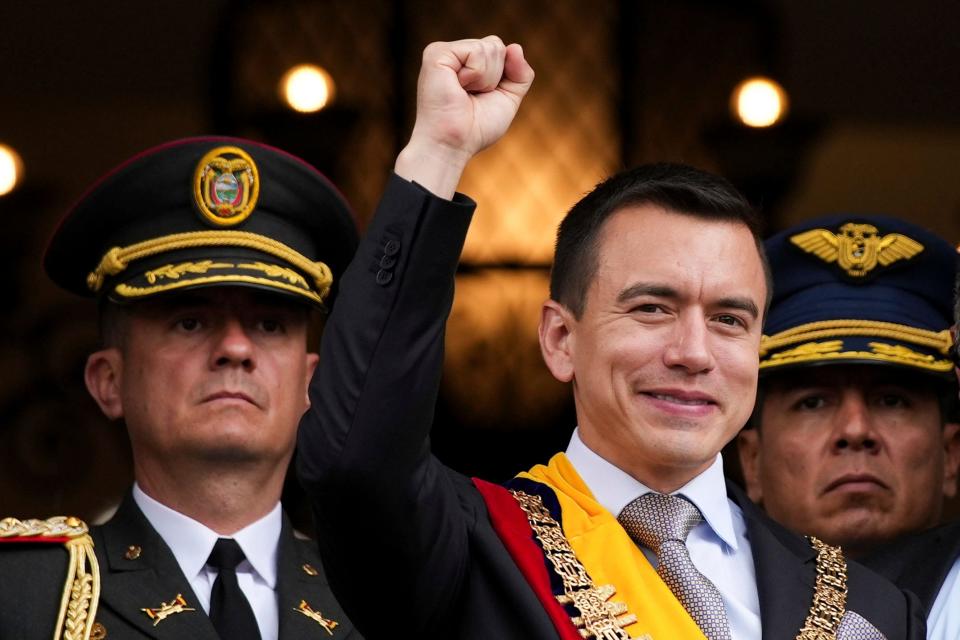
[133, 552]
[309, 570]
[98, 631]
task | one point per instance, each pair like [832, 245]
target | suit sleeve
[392, 530]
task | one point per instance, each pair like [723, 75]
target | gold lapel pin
[167, 609]
[327, 624]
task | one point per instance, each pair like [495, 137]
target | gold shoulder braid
[830, 596]
[599, 618]
[81, 591]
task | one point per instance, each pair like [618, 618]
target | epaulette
[81, 590]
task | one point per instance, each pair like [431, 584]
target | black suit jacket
[32, 578]
[919, 563]
[413, 551]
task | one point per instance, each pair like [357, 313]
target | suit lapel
[785, 565]
[129, 585]
[300, 578]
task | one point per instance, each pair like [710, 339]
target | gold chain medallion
[599, 618]
[830, 595]
[226, 185]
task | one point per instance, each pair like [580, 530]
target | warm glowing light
[11, 169]
[307, 88]
[759, 102]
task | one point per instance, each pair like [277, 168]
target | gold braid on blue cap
[808, 349]
[117, 259]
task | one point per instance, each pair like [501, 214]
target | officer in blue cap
[206, 256]
[852, 437]
[928, 563]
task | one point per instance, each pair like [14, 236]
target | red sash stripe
[511, 525]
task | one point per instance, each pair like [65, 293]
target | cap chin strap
[117, 259]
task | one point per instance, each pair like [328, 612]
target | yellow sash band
[611, 557]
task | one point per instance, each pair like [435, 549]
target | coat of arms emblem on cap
[226, 185]
[857, 248]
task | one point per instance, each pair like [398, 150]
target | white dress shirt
[718, 546]
[192, 542]
[943, 623]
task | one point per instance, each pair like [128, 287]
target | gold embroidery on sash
[599, 618]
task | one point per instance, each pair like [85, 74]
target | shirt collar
[191, 542]
[614, 489]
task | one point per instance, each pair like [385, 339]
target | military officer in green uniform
[207, 257]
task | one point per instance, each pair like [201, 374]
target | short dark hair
[112, 323]
[677, 188]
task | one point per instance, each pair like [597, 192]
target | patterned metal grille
[351, 40]
[682, 60]
[565, 138]
[496, 376]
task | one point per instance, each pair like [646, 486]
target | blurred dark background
[873, 126]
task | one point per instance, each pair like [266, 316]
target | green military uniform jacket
[138, 571]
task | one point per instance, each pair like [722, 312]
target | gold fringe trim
[117, 259]
[830, 594]
[942, 341]
[81, 590]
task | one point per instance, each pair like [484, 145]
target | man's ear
[103, 375]
[951, 458]
[557, 339]
[748, 447]
[313, 360]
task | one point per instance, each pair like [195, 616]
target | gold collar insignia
[327, 624]
[167, 609]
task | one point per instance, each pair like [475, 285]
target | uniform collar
[615, 489]
[191, 542]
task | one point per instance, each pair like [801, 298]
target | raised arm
[390, 518]
[467, 95]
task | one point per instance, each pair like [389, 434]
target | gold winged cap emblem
[857, 248]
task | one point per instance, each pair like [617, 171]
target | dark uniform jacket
[919, 563]
[32, 579]
[412, 552]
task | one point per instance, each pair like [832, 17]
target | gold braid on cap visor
[117, 259]
[808, 333]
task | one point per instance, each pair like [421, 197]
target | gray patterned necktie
[661, 523]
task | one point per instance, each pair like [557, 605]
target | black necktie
[230, 611]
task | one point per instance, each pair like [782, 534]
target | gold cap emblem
[226, 185]
[857, 248]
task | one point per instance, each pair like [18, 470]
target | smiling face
[216, 375]
[664, 357]
[856, 455]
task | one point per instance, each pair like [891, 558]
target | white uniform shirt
[718, 546]
[943, 623]
[192, 542]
